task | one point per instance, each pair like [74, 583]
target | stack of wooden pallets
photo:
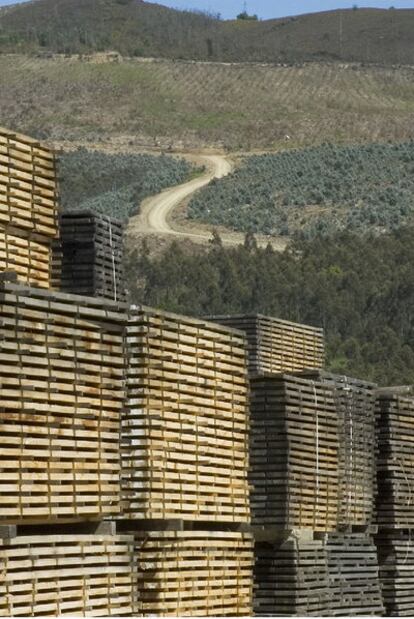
[355, 407]
[395, 501]
[185, 465]
[92, 255]
[291, 577]
[293, 453]
[62, 392]
[354, 584]
[276, 345]
[198, 573]
[28, 208]
[76, 575]
[396, 559]
[185, 431]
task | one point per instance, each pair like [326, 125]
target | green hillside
[137, 28]
[115, 184]
[316, 191]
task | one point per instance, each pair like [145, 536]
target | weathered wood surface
[355, 407]
[62, 391]
[336, 575]
[276, 345]
[91, 256]
[396, 562]
[395, 468]
[294, 458]
[185, 430]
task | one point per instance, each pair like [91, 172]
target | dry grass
[239, 107]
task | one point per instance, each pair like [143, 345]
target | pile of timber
[395, 418]
[194, 573]
[276, 345]
[396, 563]
[185, 428]
[92, 255]
[294, 462]
[291, 577]
[335, 575]
[53, 575]
[355, 406]
[28, 208]
[354, 585]
[62, 393]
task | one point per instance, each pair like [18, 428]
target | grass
[198, 104]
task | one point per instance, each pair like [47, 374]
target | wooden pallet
[77, 575]
[92, 255]
[355, 405]
[396, 564]
[395, 468]
[198, 574]
[294, 475]
[276, 345]
[28, 185]
[185, 430]
[354, 584]
[62, 392]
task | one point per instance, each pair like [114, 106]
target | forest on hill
[137, 28]
[314, 192]
[115, 184]
[360, 290]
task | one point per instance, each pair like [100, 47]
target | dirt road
[156, 212]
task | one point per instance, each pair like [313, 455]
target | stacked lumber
[185, 429]
[62, 393]
[293, 453]
[194, 573]
[354, 586]
[336, 575]
[53, 575]
[355, 406]
[276, 345]
[395, 501]
[92, 255]
[291, 578]
[396, 563]
[28, 208]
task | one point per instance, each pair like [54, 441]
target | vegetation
[360, 291]
[246, 17]
[136, 28]
[192, 104]
[115, 184]
[316, 191]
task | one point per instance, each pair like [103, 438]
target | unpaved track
[155, 215]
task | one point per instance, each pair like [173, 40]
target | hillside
[116, 183]
[137, 28]
[360, 290]
[190, 104]
[315, 192]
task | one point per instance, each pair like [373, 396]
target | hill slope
[315, 192]
[193, 104]
[137, 28]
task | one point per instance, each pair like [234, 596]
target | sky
[266, 9]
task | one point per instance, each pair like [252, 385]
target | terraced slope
[234, 106]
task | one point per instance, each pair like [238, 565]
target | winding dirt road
[155, 216]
